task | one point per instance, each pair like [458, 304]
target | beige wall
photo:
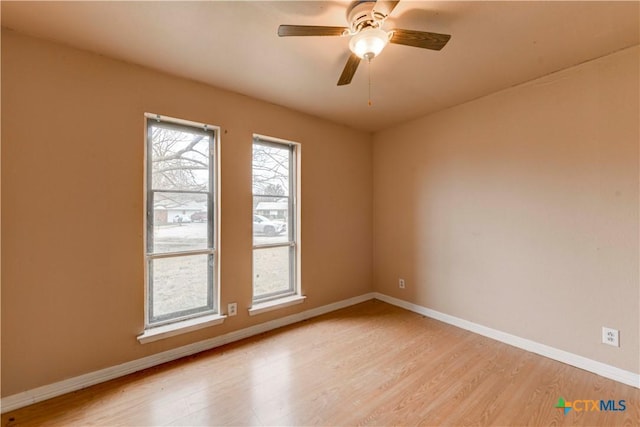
[72, 207]
[519, 210]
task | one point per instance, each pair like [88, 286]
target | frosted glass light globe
[369, 42]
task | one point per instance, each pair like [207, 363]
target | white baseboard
[599, 368]
[39, 394]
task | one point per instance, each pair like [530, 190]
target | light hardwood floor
[370, 364]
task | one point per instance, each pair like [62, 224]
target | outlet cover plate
[610, 336]
[232, 309]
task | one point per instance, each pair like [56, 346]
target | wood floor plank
[370, 364]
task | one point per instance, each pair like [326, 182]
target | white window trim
[297, 297]
[276, 304]
[155, 333]
[178, 328]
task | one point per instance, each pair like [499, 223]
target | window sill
[173, 329]
[263, 307]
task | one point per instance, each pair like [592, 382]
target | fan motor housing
[361, 15]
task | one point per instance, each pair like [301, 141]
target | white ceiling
[234, 45]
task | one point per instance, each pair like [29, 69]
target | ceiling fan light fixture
[369, 42]
[367, 38]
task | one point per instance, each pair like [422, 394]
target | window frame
[211, 310]
[293, 226]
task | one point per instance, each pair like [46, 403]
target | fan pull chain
[369, 75]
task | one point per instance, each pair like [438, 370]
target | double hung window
[181, 222]
[275, 222]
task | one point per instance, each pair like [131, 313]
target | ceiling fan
[368, 38]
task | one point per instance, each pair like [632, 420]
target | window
[181, 221]
[275, 223]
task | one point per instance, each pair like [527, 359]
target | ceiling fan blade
[349, 70]
[385, 6]
[420, 39]
[310, 30]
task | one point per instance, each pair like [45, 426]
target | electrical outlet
[232, 309]
[401, 283]
[610, 336]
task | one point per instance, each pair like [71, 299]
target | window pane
[180, 285]
[271, 186]
[271, 268]
[179, 222]
[179, 159]
[271, 170]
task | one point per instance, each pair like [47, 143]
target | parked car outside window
[199, 217]
[179, 218]
[266, 226]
